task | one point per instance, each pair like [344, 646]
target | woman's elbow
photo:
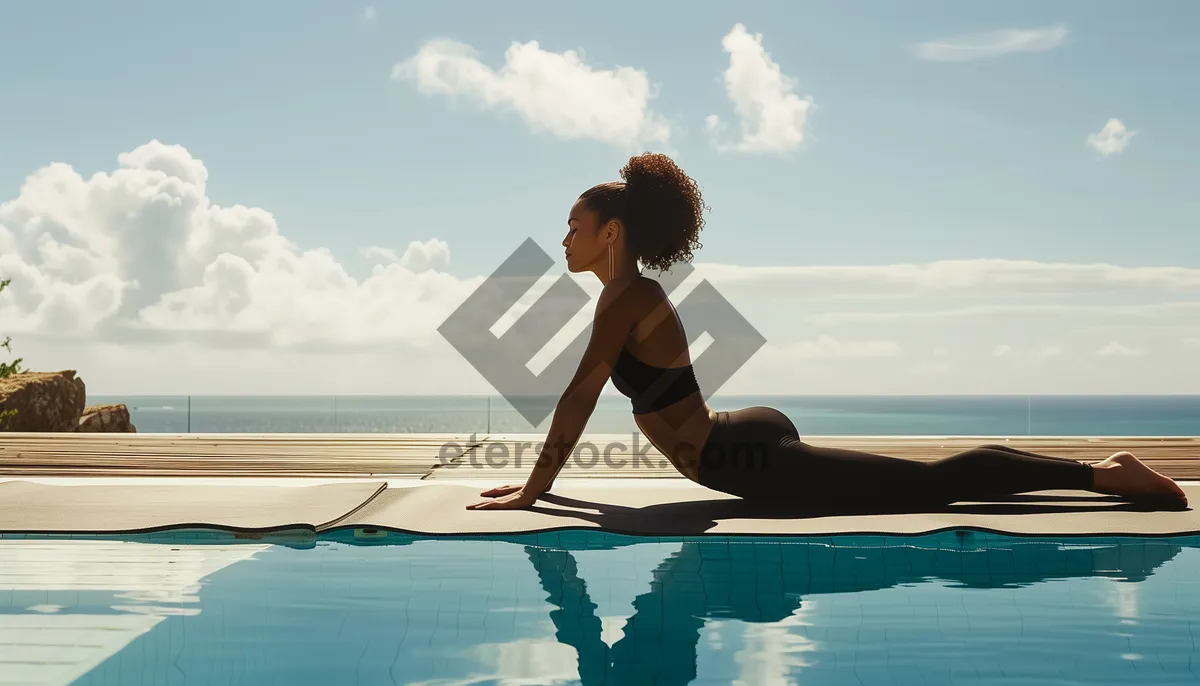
[578, 403]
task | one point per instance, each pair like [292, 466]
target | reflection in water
[759, 582]
[947, 608]
[125, 589]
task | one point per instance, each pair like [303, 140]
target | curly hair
[660, 206]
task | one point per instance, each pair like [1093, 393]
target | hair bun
[643, 171]
[660, 206]
[665, 210]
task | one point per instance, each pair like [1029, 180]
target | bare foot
[1125, 475]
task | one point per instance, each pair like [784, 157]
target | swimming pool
[951, 608]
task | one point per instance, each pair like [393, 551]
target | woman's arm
[570, 418]
[611, 325]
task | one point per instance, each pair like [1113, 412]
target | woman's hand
[506, 498]
[502, 490]
[511, 488]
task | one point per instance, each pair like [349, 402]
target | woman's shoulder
[635, 295]
[640, 288]
[651, 288]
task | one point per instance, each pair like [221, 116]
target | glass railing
[1034, 415]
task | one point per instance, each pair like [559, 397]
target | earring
[610, 262]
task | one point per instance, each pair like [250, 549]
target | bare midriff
[679, 431]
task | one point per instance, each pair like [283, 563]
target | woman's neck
[622, 270]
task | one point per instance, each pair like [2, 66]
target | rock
[43, 401]
[55, 401]
[105, 419]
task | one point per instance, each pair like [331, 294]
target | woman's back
[655, 371]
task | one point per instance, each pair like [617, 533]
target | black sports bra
[650, 388]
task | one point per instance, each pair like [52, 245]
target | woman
[655, 217]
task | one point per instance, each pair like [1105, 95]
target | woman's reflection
[765, 582]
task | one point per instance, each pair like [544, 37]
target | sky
[290, 197]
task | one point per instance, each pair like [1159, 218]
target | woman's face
[586, 249]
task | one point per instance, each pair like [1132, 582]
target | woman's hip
[743, 454]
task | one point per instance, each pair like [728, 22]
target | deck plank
[258, 455]
[452, 456]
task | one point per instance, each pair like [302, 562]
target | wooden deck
[446, 456]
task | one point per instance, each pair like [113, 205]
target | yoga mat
[28, 507]
[649, 507]
[659, 509]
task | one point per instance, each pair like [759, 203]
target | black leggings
[756, 453]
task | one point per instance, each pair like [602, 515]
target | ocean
[1038, 415]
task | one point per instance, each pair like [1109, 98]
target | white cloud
[1037, 354]
[141, 251]
[130, 274]
[554, 92]
[1047, 351]
[771, 115]
[1050, 311]
[1193, 342]
[369, 14]
[827, 347]
[977, 276]
[987, 44]
[420, 256]
[1111, 139]
[1115, 349]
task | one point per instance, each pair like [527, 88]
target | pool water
[589, 608]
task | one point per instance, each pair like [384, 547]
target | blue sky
[906, 156]
[290, 106]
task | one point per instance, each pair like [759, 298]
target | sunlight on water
[591, 608]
